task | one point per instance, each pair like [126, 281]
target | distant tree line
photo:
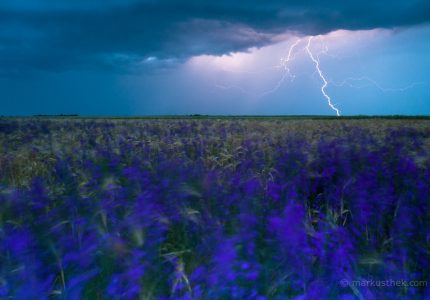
[60, 115]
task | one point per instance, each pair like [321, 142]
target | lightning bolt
[285, 64]
[287, 72]
[370, 82]
[325, 83]
[291, 54]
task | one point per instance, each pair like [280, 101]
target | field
[214, 208]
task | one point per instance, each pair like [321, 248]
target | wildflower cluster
[213, 209]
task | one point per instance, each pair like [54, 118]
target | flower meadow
[214, 208]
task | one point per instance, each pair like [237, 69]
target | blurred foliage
[213, 208]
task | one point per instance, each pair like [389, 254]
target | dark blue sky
[115, 57]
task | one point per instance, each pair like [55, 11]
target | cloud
[59, 35]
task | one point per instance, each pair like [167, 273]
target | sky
[245, 57]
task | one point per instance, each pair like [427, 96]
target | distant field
[233, 117]
[209, 207]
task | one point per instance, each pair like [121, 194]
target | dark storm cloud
[56, 35]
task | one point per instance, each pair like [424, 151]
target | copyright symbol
[344, 283]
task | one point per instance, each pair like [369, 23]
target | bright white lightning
[287, 72]
[370, 82]
[325, 83]
[285, 64]
[285, 61]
